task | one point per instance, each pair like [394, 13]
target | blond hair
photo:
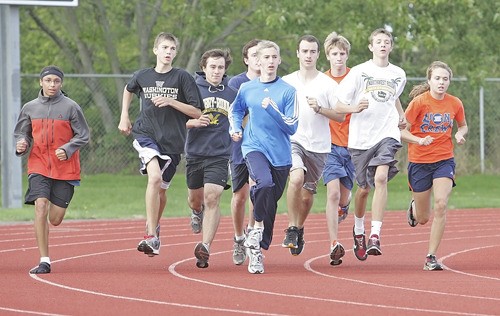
[266, 44]
[335, 40]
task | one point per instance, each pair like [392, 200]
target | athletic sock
[45, 259]
[359, 225]
[376, 226]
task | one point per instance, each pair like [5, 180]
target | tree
[115, 36]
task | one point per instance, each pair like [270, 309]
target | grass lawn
[107, 196]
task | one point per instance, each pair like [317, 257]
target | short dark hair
[246, 48]
[310, 39]
[216, 53]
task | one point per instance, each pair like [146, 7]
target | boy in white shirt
[311, 143]
[370, 91]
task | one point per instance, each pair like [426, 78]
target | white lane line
[467, 273]
[129, 298]
[172, 270]
[24, 311]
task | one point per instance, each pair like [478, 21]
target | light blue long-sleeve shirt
[268, 129]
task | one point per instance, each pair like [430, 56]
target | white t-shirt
[382, 86]
[313, 132]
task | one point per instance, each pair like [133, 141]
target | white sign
[60, 3]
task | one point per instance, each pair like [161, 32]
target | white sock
[239, 238]
[258, 225]
[376, 226]
[359, 225]
[45, 259]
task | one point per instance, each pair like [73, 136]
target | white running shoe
[254, 238]
[256, 261]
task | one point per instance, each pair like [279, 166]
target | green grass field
[107, 196]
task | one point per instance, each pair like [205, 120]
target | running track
[96, 270]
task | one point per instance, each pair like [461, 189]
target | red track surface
[96, 270]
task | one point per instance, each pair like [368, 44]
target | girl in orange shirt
[431, 165]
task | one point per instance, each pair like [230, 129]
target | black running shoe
[42, 268]
[291, 237]
[409, 215]
[300, 244]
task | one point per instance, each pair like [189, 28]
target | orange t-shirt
[431, 117]
[339, 131]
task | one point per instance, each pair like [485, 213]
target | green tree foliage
[116, 36]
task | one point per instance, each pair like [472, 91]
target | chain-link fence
[111, 152]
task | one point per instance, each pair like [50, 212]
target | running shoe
[300, 244]
[202, 254]
[359, 246]
[431, 264]
[253, 239]
[142, 243]
[239, 252]
[197, 221]
[344, 210]
[256, 261]
[151, 246]
[336, 254]
[409, 215]
[374, 246]
[42, 268]
[291, 237]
